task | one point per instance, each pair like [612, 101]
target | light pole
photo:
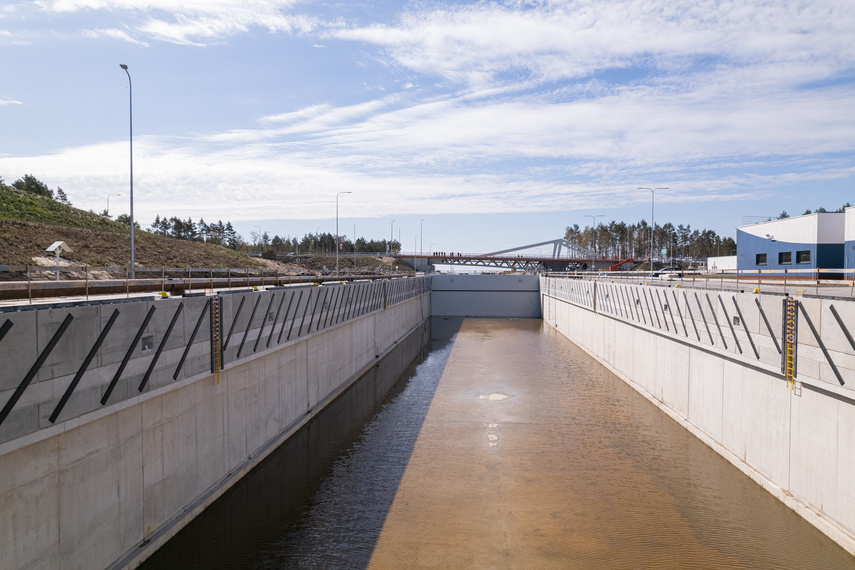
[593, 235]
[131, 123]
[652, 224]
[421, 236]
[391, 238]
[354, 248]
[108, 203]
[336, 229]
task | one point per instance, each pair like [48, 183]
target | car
[670, 271]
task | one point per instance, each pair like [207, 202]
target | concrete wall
[485, 296]
[690, 352]
[108, 484]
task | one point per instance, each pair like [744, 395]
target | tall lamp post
[131, 119]
[652, 223]
[108, 203]
[391, 238]
[336, 229]
[593, 229]
[421, 236]
[354, 248]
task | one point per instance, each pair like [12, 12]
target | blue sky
[497, 123]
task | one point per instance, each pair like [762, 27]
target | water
[527, 454]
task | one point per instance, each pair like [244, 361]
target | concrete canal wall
[119, 425]
[713, 362]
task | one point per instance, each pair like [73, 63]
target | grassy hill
[29, 223]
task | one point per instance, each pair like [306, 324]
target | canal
[509, 447]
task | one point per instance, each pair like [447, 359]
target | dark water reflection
[320, 500]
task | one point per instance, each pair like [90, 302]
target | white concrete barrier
[711, 361]
[107, 484]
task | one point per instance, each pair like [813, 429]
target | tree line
[321, 243]
[622, 240]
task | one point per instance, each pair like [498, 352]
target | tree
[783, 215]
[61, 197]
[33, 185]
[126, 219]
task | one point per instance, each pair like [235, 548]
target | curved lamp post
[108, 203]
[652, 224]
[131, 103]
[391, 238]
[336, 229]
[594, 240]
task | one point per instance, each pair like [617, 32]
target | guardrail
[783, 280]
[28, 282]
[48, 349]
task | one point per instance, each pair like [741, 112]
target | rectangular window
[785, 258]
[803, 257]
[760, 259]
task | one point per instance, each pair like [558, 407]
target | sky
[475, 126]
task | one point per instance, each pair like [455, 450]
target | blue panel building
[801, 245]
[849, 237]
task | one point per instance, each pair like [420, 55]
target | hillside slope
[30, 223]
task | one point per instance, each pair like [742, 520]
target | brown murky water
[510, 449]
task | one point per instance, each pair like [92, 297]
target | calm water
[649, 493]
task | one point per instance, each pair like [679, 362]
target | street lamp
[652, 224]
[354, 248]
[108, 203]
[594, 239]
[336, 229]
[421, 236]
[131, 119]
[391, 238]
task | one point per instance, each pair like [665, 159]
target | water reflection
[319, 501]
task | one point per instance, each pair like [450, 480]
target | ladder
[790, 340]
[216, 363]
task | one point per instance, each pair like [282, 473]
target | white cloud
[9, 102]
[487, 43]
[114, 34]
[195, 22]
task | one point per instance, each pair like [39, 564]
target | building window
[785, 258]
[803, 257]
[760, 259]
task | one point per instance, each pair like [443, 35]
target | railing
[800, 281]
[748, 325]
[124, 347]
[20, 282]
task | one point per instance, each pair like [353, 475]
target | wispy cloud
[10, 102]
[194, 22]
[114, 34]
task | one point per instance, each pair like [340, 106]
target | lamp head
[123, 66]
